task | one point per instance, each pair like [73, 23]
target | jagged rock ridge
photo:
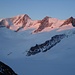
[25, 22]
[43, 24]
[68, 21]
[16, 23]
[46, 45]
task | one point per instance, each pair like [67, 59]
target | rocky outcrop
[68, 21]
[46, 45]
[2, 24]
[19, 21]
[6, 70]
[22, 19]
[24, 22]
[43, 24]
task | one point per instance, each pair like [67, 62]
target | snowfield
[59, 60]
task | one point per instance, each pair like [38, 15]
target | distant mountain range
[24, 22]
[37, 47]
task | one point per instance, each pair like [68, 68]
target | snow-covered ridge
[16, 22]
[24, 22]
[68, 21]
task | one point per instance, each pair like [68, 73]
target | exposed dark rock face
[46, 45]
[44, 23]
[2, 24]
[22, 20]
[6, 70]
[73, 22]
[68, 21]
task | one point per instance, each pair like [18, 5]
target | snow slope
[59, 60]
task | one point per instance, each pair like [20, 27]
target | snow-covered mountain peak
[47, 17]
[20, 19]
[22, 15]
[68, 21]
[54, 50]
[24, 22]
[17, 22]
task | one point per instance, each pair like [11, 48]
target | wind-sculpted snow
[46, 45]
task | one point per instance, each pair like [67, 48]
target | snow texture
[59, 60]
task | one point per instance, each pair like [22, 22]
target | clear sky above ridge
[38, 9]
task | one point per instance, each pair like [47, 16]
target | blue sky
[38, 9]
